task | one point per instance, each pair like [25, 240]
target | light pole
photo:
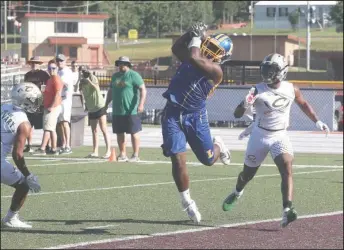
[308, 37]
[117, 26]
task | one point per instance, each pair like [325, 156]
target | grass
[64, 218]
[149, 49]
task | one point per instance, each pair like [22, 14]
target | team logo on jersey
[279, 104]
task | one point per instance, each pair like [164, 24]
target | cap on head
[123, 59]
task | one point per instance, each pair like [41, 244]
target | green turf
[63, 218]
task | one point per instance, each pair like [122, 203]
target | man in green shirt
[128, 94]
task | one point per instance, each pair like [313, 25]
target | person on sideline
[39, 78]
[272, 100]
[52, 108]
[67, 95]
[15, 129]
[128, 95]
[75, 72]
[95, 104]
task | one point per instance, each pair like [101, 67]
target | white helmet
[27, 96]
[274, 68]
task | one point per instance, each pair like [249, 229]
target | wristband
[195, 42]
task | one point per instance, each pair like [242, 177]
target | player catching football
[184, 118]
[15, 129]
[272, 100]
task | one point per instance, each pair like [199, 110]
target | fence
[221, 106]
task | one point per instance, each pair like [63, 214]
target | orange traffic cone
[113, 155]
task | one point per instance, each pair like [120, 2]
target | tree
[336, 14]
[293, 18]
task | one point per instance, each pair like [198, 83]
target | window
[270, 12]
[283, 11]
[59, 50]
[66, 27]
[73, 52]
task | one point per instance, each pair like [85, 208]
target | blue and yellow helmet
[217, 47]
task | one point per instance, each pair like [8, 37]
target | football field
[93, 203]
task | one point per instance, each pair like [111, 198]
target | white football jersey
[11, 118]
[67, 78]
[272, 106]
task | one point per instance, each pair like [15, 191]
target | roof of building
[293, 3]
[60, 15]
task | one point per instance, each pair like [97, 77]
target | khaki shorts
[50, 118]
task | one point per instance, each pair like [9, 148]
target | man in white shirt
[64, 119]
[75, 72]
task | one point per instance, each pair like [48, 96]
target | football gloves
[250, 98]
[198, 29]
[32, 182]
[322, 126]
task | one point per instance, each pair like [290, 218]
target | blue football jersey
[189, 88]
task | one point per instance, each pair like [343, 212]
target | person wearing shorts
[66, 110]
[95, 104]
[128, 94]
[52, 109]
[39, 78]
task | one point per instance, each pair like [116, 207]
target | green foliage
[336, 13]
[150, 18]
[293, 18]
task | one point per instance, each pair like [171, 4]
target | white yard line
[191, 164]
[136, 237]
[104, 226]
[165, 183]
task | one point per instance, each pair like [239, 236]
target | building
[77, 36]
[265, 18]
[262, 45]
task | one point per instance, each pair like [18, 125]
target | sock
[185, 195]
[10, 214]
[287, 204]
[238, 192]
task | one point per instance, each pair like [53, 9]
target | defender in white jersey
[15, 129]
[272, 101]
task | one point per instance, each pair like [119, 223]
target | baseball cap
[60, 57]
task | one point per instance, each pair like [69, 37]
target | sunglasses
[52, 68]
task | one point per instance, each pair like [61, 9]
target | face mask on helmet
[27, 96]
[271, 72]
[212, 49]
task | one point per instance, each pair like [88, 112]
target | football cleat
[14, 222]
[225, 154]
[289, 215]
[193, 212]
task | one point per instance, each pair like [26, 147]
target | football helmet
[274, 68]
[217, 47]
[27, 96]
